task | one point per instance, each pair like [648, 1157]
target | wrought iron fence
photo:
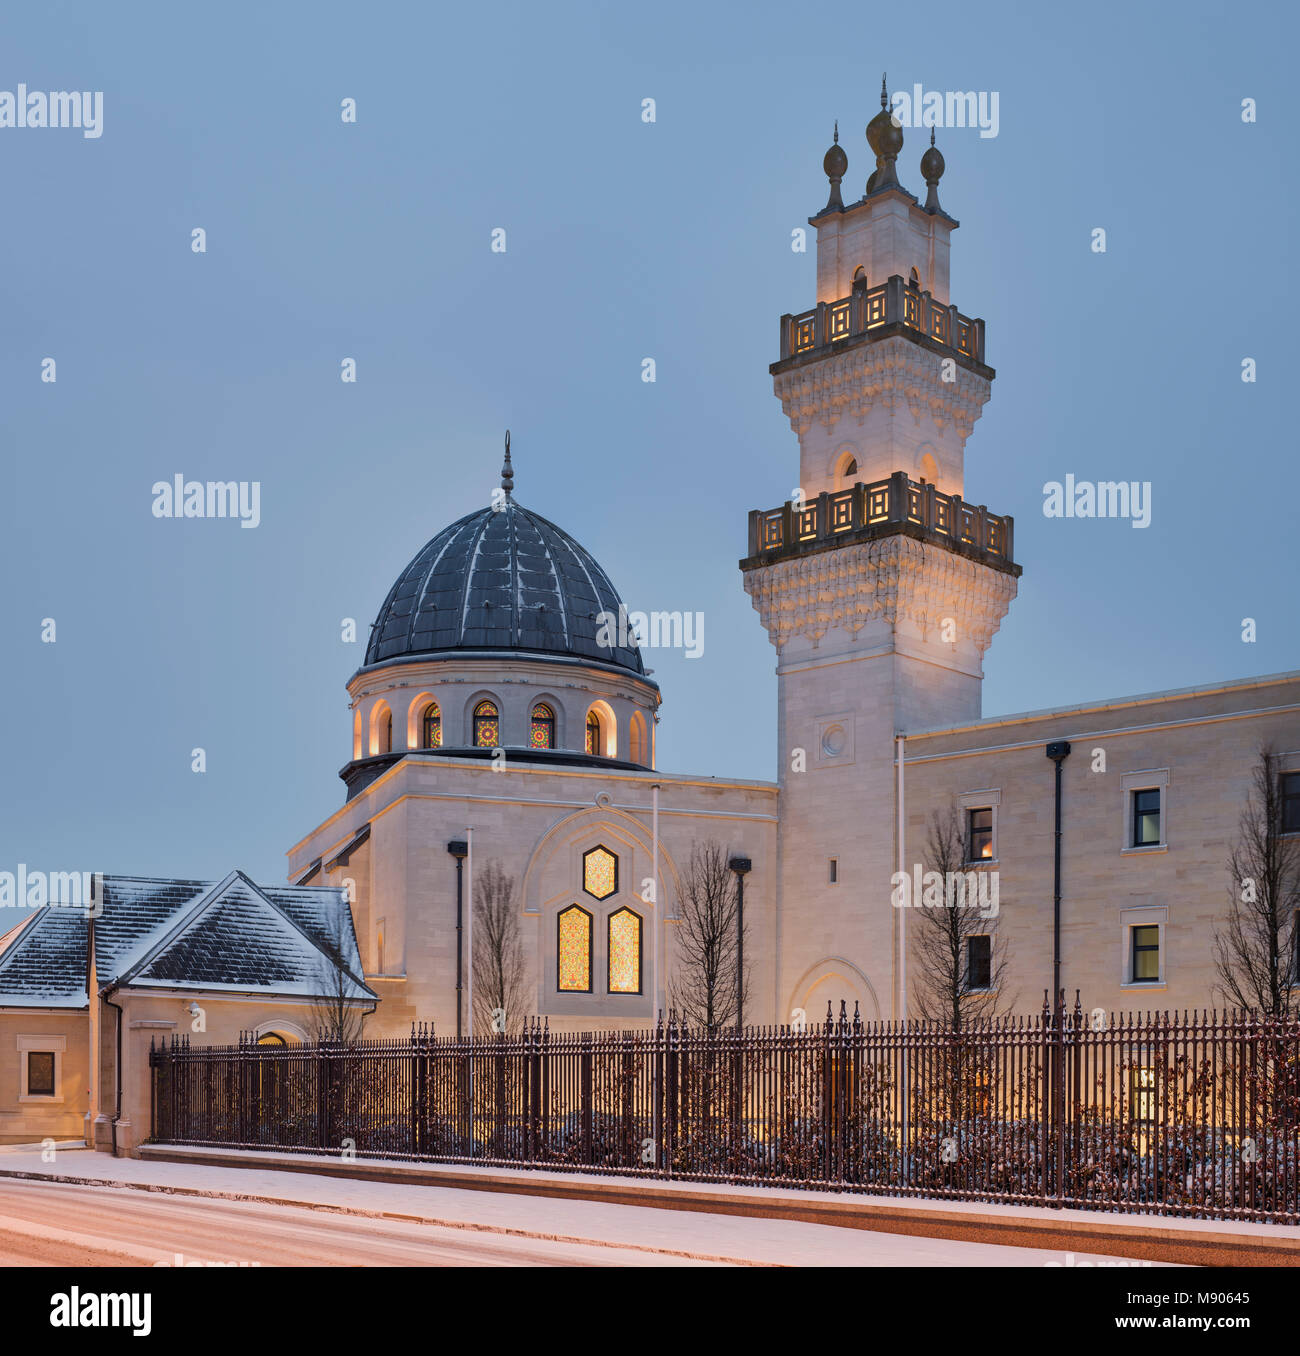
[1194, 1115]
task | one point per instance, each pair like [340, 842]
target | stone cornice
[889, 372]
[895, 579]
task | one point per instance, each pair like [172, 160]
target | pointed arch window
[487, 726]
[573, 950]
[593, 734]
[542, 733]
[431, 736]
[624, 951]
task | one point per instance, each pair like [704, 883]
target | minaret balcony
[871, 313]
[883, 508]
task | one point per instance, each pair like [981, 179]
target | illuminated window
[624, 952]
[40, 1073]
[543, 730]
[386, 734]
[600, 873]
[573, 955]
[432, 736]
[1146, 817]
[593, 733]
[1145, 961]
[271, 1038]
[1142, 1094]
[487, 726]
[979, 836]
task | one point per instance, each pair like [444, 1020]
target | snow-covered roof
[227, 935]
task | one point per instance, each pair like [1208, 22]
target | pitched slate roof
[230, 934]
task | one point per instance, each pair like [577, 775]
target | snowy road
[53, 1224]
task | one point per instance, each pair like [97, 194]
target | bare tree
[706, 976]
[500, 972]
[337, 1017]
[1254, 946]
[942, 991]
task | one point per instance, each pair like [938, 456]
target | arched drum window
[593, 734]
[487, 726]
[542, 734]
[431, 737]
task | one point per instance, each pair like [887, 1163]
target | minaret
[879, 584]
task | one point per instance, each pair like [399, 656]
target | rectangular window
[40, 1073]
[1142, 1095]
[979, 962]
[1145, 968]
[1146, 817]
[835, 871]
[1291, 802]
[979, 834]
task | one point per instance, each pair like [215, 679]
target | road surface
[56, 1224]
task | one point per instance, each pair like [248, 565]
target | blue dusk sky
[625, 240]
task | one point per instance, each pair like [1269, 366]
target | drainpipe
[459, 849]
[1058, 752]
[902, 866]
[117, 1070]
[658, 907]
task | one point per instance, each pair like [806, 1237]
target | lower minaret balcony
[898, 506]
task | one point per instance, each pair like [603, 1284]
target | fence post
[584, 1081]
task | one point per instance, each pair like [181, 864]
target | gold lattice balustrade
[882, 508]
[870, 312]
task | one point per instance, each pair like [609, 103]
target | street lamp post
[741, 866]
[458, 849]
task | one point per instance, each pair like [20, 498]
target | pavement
[127, 1210]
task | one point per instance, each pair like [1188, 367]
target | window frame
[1135, 949]
[987, 986]
[591, 724]
[41, 1045]
[1288, 799]
[590, 852]
[591, 946]
[1141, 817]
[609, 954]
[1147, 779]
[970, 858]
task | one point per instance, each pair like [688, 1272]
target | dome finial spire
[835, 163]
[507, 470]
[884, 90]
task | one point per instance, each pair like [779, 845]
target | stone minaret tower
[879, 584]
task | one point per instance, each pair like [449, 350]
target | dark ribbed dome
[503, 579]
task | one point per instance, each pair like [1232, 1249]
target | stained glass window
[543, 731]
[487, 727]
[593, 733]
[573, 957]
[432, 727]
[599, 873]
[624, 952]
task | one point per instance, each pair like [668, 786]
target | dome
[501, 579]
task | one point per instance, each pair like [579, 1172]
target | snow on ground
[685, 1234]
